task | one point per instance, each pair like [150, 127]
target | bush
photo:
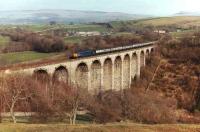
[24, 41]
[149, 107]
[47, 45]
[133, 105]
[110, 41]
[106, 108]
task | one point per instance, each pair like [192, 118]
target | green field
[181, 34]
[11, 58]
[37, 27]
[118, 127]
[3, 41]
[85, 27]
[76, 39]
[122, 34]
[75, 27]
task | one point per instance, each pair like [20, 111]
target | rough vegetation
[179, 73]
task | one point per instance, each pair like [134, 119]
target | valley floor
[121, 127]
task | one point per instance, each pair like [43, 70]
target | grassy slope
[186, 21]
[183, 21]
[17, 57]
[97, 128]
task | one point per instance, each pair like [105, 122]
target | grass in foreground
[118, 127]
[17, 57]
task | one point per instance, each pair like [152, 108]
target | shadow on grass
[81, 119]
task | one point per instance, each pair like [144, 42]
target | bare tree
[62, 100]
[69, 99]
[15, 90]
[1, 103]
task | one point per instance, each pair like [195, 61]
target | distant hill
[183, 13]
[62, 16]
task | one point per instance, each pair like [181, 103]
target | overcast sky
[151, 7]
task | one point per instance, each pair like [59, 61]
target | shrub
[106, 108]
[133, 105]
[149, 107]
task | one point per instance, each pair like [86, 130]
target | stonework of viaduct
[112, 71]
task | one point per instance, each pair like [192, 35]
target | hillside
[62, 16]
[179, 21]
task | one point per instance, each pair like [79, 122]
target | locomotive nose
[75, 55]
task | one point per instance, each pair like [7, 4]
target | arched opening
[44, 79]
[60, 75]
[41, 75]
[96, 77]
[152, 50]
[82, 76]
[117, 74]
[134, 66]
[126, 72]
[142, 59]
[148, 53]
[107, 71]
[148, 57]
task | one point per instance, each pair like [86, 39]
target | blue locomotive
[87, 53]
[84, 53]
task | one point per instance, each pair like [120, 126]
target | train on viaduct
[109, 71]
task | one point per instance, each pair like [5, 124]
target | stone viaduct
[111, 71]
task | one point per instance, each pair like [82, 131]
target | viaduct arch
[61, 74]
[96, 77]
[118, 73]
[107, 74]
[82, 73]
[126, 71]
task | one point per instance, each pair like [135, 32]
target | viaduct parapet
[111, 71]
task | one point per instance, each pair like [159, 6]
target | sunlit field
[126, 127]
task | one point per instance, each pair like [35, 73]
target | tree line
[22, 40]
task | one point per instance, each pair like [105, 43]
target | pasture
[114, 127]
